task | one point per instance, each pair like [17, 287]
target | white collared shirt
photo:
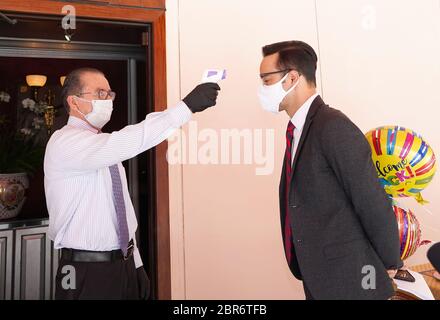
[298, 120]
[78, 184]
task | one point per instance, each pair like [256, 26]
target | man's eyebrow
[264, 75]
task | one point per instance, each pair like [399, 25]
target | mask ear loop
[296, 83]
[287, 72]
[77, 109]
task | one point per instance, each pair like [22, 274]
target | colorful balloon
[404, 162]
[409, 232]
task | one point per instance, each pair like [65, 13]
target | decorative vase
[12, 194]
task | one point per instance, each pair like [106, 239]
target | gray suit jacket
[342, 222]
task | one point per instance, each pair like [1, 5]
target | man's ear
[72, 101]
[294, 76]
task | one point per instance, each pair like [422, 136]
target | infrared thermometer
[213, 75]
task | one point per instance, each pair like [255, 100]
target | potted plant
[21, 153]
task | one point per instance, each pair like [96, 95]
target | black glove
[143, 284]
[202, 97]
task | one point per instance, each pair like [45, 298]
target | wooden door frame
[153, 12]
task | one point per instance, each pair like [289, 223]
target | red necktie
[288, 157]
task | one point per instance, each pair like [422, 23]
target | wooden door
[148, 11]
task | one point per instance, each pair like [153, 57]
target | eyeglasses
[263, 75]
[101, 94]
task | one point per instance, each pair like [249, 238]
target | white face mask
[271, 96]
[101, 112]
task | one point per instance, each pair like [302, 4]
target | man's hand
[143, 284]
[202, 97]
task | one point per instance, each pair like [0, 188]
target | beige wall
[379, 64]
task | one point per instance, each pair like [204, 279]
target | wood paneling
[83, 9]
[148, 11]
[32, 264]
[162, 185]
[160, 4]
[6, 265]
[141, 3]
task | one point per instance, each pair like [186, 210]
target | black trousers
[115, 280]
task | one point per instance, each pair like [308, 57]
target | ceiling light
[36, 80]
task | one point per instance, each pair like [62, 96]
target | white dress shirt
[298, 120]
[78, 184]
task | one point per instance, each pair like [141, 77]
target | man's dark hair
[73, 84]
[296, 55]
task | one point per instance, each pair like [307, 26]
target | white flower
[4, 96]
[28, 104]
[26, 131]
[37, 122]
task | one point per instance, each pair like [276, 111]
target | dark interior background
[13, 81]
[50, 28]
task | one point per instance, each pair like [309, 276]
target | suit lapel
[316, 105]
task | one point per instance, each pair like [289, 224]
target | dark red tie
[288, 157]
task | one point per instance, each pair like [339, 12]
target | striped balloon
[409, 232]
[404, 162]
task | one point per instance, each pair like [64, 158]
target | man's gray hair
[73, 84]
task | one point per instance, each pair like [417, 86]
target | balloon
[404, 162]
[409, 232]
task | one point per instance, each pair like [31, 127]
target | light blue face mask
[101, 112]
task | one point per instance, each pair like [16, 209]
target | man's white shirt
[298, 120]
[78, 184]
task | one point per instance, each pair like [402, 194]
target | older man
[91, 215]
